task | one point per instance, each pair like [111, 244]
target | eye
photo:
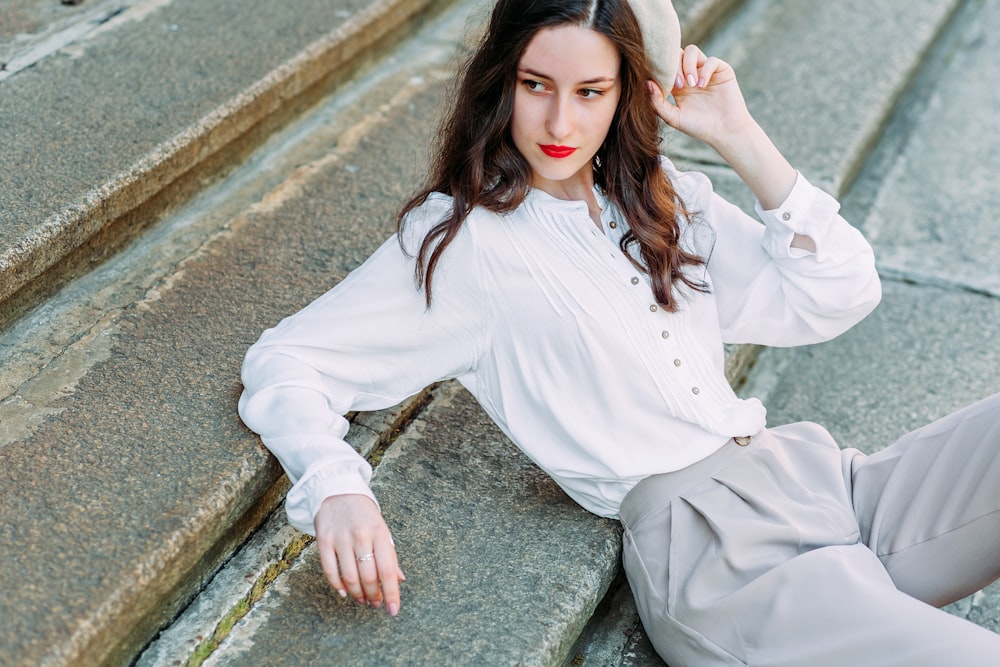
[534, 86]
[590, 93]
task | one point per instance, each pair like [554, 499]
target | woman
[581, 288]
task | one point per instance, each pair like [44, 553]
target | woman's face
[566, 97]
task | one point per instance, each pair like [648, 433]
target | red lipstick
[557, 151]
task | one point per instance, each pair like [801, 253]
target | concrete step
[110, 116]
[129, 478]
[824, 108]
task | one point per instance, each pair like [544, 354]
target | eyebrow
[540, 75]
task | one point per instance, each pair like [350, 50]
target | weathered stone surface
[611, 637]
[935, 217]
[142, 480]
[227, 589]
[502, 567]
[112, 137]
[822, 78]
[920, 355]
[24, 23]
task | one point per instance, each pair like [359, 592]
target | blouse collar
[540, 197]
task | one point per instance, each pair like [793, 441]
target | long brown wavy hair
[477, 164]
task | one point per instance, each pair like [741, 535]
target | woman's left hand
[708, 104]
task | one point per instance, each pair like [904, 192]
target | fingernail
[692, 81]
[679, 82]
[376, 604]
[393, 609]
[341, 592]
[702, 82]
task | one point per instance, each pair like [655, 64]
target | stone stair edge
[312, 73]
[826, 135]
[229, 591]
[247, 490]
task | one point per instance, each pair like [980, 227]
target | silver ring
[368, 556]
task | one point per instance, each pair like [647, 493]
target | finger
[368, 572]
[389, 575]
[708, 70]
[347, 562]
[328, 559]
[691, 60]
[664, 109]
[656, 94]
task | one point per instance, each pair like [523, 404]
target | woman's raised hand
[708, 104]
[357, 551]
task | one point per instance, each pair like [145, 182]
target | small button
[742, 440]
[786, 216]
[612, 224]
[665, 334]
[635, 281]
[695, 391]
[652, 308]
[677, 362]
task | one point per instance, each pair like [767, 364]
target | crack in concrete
[916, 277]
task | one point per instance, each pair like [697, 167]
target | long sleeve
[770, 293]
[367, 344]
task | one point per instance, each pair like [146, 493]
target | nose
[560, 119]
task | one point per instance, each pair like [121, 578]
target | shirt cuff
[306, 496]
[807, 210]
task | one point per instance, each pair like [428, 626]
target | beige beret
[661, 34]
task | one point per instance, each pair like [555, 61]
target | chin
[559, 172]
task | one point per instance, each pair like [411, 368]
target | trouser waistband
[650, 493]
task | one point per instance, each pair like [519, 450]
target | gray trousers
[791, 552]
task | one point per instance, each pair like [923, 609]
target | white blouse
[557, 335]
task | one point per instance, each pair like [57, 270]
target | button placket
[665, 335]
